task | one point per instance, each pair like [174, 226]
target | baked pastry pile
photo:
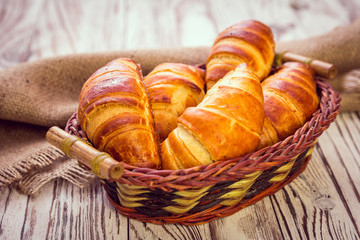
[181, 116]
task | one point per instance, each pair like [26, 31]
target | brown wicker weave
[201, 194]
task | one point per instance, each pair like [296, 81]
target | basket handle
[321, 68]
[101, 163]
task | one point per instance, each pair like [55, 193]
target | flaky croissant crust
[226, 124]
[290, 98]
[250, 42]
[172, 88]
[115, 113]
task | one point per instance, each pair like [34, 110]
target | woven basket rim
[232, 169]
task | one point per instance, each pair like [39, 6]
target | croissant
[114, 111]
[226, 124]
[249, 42]
[290, 99]
[172, 88]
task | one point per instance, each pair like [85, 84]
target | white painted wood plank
[83, 214]
[256, 221]
[17, 30]
[140, 230]
[13, 214]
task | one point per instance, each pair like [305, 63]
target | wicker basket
[204, 193]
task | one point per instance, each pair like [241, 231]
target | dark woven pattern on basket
[201, 194]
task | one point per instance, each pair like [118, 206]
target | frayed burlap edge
[67, 169]
[30, 174]
[42, 158]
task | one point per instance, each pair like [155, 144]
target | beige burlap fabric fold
[37, 95]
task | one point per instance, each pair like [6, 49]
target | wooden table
[322, 203]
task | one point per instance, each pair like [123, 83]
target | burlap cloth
[39, 94]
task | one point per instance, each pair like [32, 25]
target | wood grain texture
[322, 203]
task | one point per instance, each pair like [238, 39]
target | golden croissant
[290, 99]
[226, 124]
[250, 42]
[172, 88]
[114, 111]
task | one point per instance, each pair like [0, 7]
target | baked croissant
[114, 111]
[172, 88]
[249, 42]
[290, 99]
[226, 124]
